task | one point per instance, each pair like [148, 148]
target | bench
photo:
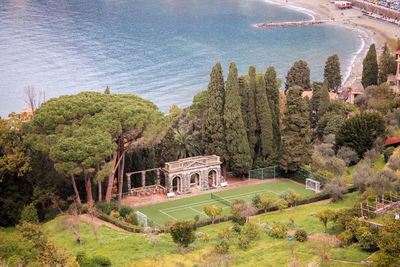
[172, 194]
[223, 184]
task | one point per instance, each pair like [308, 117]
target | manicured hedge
[126, 226]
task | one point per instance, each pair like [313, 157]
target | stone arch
[177, 183]
[194, 179]
[212, 175]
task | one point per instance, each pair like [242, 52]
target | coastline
[369, 30]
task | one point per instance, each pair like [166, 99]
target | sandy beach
[369, 30]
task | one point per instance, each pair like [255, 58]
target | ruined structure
[202, 172]
[181, 176]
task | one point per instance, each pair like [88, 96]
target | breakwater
[290, 23]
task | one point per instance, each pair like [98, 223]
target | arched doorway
[177, 184]
[195, 180]
[212, 178]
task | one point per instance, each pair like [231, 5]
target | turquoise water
[162, 50]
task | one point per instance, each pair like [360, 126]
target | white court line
[172, 209]
[169, 215]
[198, 212]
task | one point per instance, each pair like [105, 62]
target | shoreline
[368, 30]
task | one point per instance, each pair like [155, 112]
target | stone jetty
[290, 24]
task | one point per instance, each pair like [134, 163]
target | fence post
[249, 176]
[274, 172]
[262, 174]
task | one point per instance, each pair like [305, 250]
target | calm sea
[161, 50]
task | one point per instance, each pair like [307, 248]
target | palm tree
[186, 148]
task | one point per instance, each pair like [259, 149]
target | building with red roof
[392, 141]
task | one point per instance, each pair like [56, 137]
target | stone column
[128, 181]
[158, 177]
[143, 178]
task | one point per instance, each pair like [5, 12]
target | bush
[29, 214]
[278, 231]
[236, 228]
[132, 218]
[106, 207]
[119, 223]
[346, 237]
[114, 214]
[387, 153]
[222, 247]
[367, 239]
[251, 230]
[182, 232]
[125, 210]
[383, 260]
[196, 218]
[244, 242]
[300, 235]
[100, 260]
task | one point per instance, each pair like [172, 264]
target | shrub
[346, 237]
[100, 260]
[107, 207]
[348, 155]
[383, 260]
[132, 218]
[196, 218]
[236, 228]
[278, 231]
[244, 241]
[29, 214]
[281, 204]
[300, 235]
[114, 214]
[343, 216]
[251, 230]
[119, 223]
[182, 233]
[387, 153]
[125, 210]
[367, 239]
[222, 247]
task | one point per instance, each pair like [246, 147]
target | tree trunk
[121, 178]
[88, 186]
[111, 180]
[78, 199]
[100, 193]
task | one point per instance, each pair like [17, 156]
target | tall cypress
[272, 92]
[387, 64]
[370, 68]
[252, 118]
[332, 73]
[296, 134]
[324, 100]
[315, 100]
[264, 120]
[299, 74]
[237, 145]
[244, 101]
[213, 132]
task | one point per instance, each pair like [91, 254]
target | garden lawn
[187, 208]
[129, 249]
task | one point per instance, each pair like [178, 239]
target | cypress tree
[244, 101]
[237, 145]
[272, 92]
[315, 101]
[387, 64]
[213, 132]
[332, 72]
[168, 146]
[252, 118]
[370, 68]
[299, 74]
[107, 90]
[324, 100]
[264, 120]
[296, 134]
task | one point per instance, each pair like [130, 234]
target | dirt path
[96, 221]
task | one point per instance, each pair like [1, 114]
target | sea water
[161, 50]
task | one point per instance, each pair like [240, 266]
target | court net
[221, 199]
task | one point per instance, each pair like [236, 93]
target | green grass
[398, 132]
[127, 249]
[379, 163]
[187, 208]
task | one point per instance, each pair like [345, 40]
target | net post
[249, 176]
[262, 174]
[274, 172]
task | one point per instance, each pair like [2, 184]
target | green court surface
[187, 208]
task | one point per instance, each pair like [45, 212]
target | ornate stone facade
[203, 172]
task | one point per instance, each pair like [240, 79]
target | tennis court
[187, 208]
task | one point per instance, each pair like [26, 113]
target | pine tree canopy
[370, 68]
[264, 119]
[239, 158]
[213, 133]
[296, 134]
[332, 73]
[299, 74]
